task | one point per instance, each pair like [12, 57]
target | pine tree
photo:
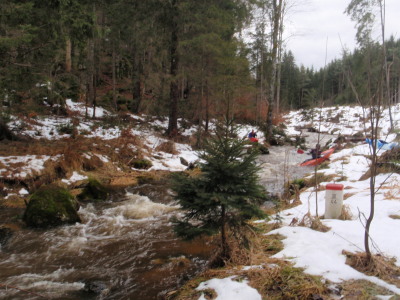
[224, 196]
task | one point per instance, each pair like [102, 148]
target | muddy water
[282, 164]
[125, 249]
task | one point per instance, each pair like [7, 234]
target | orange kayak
[314, 162]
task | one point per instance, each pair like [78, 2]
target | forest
[175, 59]
[127, 169]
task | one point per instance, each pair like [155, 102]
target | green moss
[142, 164]
[51, 206]
[146, 178]
[300, 183]
[67, 128]
[94, 191]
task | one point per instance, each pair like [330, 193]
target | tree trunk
[200, 112]
[398, 91]
[277, 11]
[224, 244]
[90, 74]
[174, 88]
[207, 108]
[114, 78]
[68, 55]
[279, 67]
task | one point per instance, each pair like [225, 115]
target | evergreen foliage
[125, 55]
[224, 196]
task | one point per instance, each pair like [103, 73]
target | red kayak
[314, 162]
[253, 139]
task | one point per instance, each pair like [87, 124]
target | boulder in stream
[5, 235]
[51, 206]
[94, 191]
[96, 287]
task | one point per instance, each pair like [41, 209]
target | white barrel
[333, 200]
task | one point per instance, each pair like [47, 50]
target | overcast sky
[316, 27]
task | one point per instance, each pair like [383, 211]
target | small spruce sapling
[225, 196]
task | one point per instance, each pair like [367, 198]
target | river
[124, 248]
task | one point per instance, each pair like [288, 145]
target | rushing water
[124, 248]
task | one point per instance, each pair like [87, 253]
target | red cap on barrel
[334, 186]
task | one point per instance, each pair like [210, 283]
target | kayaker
[316, 152]
[252, 134]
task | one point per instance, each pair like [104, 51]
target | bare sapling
[372, 94]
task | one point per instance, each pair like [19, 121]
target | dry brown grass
[75, 154]
[395, 217]
[317, 179]
[274, 279]
[348, 195]
[378, 266]
[13, 201]
[363, 290]
[346, 213]
[283, 281]
[168, 147]
[392, 194]
[313, 223]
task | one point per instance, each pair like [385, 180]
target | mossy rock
[263, 149]
[94, 191]
[259, 148]
[141, 164]
[51, 206]
[5, 235]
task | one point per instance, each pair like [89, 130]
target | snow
[23, 166]
[23, 192]
[319, 253]
[227, 288]
[80, 108]
[74, 178]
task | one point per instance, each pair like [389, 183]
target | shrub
[141, 164]
[67, 128]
